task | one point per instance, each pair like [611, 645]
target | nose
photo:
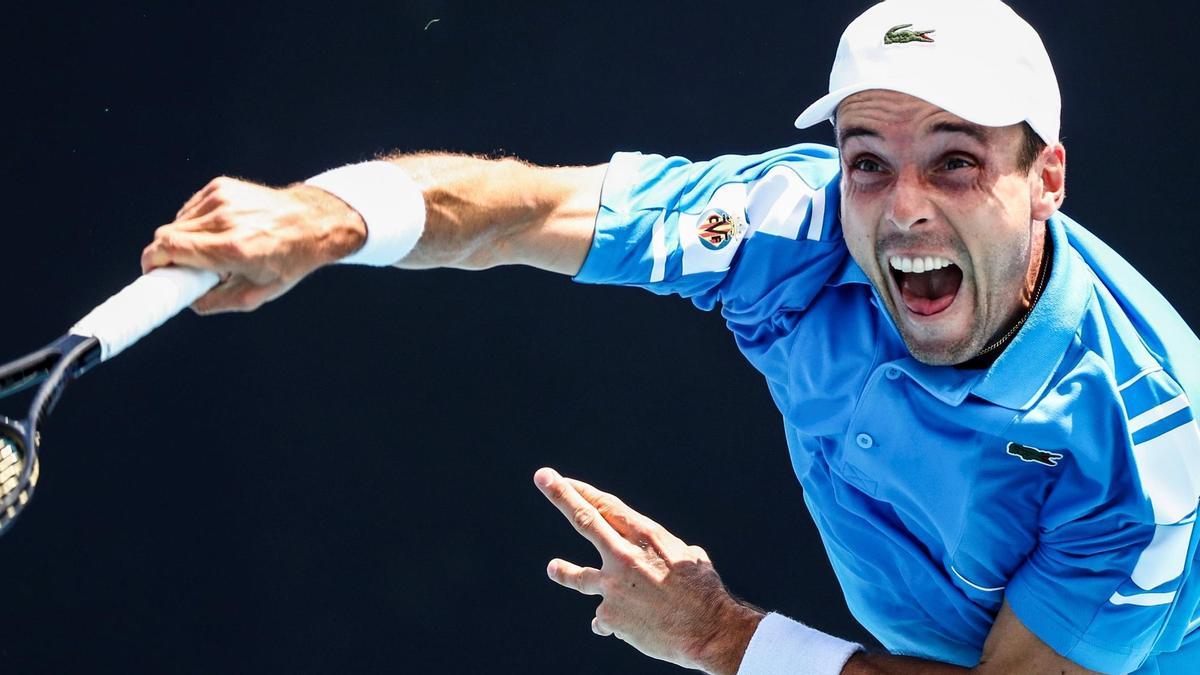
[908, 206]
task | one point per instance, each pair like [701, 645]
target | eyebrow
[973, 130]
[851, 132]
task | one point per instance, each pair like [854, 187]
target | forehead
[884, 113]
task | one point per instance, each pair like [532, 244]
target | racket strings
[13, 493]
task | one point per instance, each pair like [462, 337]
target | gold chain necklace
[1037, 294]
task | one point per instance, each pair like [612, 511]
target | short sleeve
[754, 232]
[1110, 582]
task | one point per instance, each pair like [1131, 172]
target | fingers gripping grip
[143, 306]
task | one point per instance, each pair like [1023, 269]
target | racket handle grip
[143, 306]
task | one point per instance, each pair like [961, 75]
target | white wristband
[781, 646]
[390, 203]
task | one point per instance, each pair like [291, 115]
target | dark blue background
[341, 482]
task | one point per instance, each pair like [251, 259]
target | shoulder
[1127, 353]
[817, 163]
[631, 174]
[1129, 313]
[1123, 421]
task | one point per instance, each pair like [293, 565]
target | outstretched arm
[480, 213]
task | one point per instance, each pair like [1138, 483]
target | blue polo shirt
[1063, 478]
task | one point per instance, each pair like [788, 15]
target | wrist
[781, 646]
[389, 203]
[340, 229]
[721, 653]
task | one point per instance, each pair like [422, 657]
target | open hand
[659, 594]
[261, 240]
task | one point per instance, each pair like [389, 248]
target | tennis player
[988, 409]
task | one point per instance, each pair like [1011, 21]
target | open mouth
[928, 284]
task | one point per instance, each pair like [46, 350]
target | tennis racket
[105, 332]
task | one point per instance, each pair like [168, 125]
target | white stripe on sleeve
[1169, 468]
[1158, 412]
[1165, 557]
[1143, 599]
[778, 202]
[816, 223]
[658, 249]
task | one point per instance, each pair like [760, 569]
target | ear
[1048, 184]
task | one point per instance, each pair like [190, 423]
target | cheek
[1003, 262]
[859, 213]
[859, 232]
[860, 199]
[1011, 193]
[995, 228]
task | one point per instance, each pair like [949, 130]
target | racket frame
[52, 367]
[110, 328]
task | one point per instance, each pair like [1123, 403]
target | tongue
[930, 292]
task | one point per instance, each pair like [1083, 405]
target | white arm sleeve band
[390, 204]
[781, 646]
[142, 306]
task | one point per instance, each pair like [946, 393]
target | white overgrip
[143, 306]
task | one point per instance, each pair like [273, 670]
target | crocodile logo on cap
[898, 35]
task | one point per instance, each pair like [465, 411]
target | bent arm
[666, 599]
[1010, 648]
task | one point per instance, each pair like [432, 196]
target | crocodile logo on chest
[1031, 454]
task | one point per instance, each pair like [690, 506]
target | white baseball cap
[974, 58]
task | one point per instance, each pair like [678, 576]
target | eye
[955, 162]
[866, 164]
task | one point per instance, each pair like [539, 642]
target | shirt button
[864, 441]
[892, 373]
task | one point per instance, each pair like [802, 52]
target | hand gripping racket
[105, 332]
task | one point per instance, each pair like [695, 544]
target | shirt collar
[1022, 372]
[849, 273]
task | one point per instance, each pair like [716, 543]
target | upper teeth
[918, 264]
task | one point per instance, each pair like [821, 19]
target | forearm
[482, 213]
[863, 663]
[1009, 648]
[1019, 656]
[860, 663]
